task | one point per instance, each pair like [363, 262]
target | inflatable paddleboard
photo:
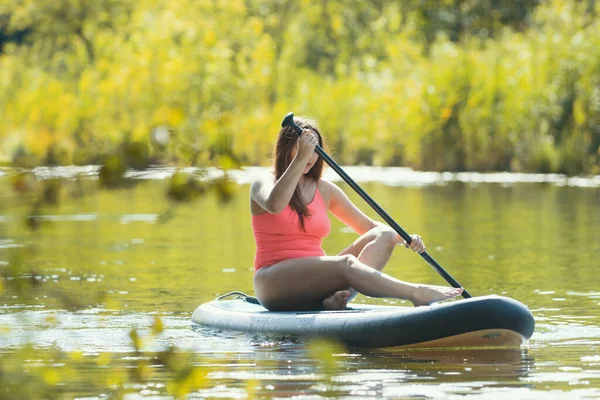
[487, 321]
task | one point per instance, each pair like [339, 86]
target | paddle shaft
[289, 121]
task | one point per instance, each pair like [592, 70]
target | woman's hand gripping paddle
[289, 121]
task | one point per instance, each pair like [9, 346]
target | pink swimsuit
[279, 237]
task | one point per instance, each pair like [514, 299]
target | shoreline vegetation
[463, 86]
[389, 176]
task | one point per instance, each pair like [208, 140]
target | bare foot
[428, 294]
[337, 301]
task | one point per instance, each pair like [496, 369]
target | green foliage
[31, 373]
[469, 85]
[112, 172]
[483, 18]
[23, 376]
[326, 350]
[184, 187]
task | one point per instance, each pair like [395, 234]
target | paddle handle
[289, 121]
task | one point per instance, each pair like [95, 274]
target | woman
[289, 220]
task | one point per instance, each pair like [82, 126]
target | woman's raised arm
[273, 197]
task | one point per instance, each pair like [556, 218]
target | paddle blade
[289, 121]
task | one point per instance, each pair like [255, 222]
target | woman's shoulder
[327, 189]
[259, 185]
[325, 185]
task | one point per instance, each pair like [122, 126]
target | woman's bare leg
[374, 249]
[303, 283]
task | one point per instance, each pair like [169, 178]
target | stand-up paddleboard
[489, 321]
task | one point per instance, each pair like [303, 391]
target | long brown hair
[283, 158]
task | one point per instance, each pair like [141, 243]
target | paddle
[289, 121]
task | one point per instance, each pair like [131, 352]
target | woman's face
[313, 159]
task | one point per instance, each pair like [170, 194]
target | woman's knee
[387, 235]
[348, 261]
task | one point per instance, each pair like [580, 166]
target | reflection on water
[122, 258]
[556, 358]
[284, 368]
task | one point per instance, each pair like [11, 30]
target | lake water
[82, 274]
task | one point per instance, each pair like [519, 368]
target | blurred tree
[16, 36]
[478, 83]
[483, 18]
[63, 25]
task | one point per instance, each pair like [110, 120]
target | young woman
[289, 220]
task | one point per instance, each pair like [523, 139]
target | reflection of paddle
[289, 121]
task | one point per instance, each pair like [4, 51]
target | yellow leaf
[135, 339]
[325, 351]
[76, 355]
[579, 112]
[116, 378]
[39, 141]
[210, 38]
[392, 51]
[337, 24]
[103, 359]
[51, 376]
[446, 113]
[158, 326]
[256, 26]
[176, 116]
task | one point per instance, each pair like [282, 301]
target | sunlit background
[452, 85]
[130, 131]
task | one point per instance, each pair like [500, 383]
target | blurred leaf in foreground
[325, 352]
[22, 183]
[157, 327]
[137, 155]
[185, 187]
[112, 172]
[52, 189]
[225, 188]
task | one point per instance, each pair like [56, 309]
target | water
[104, 263]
